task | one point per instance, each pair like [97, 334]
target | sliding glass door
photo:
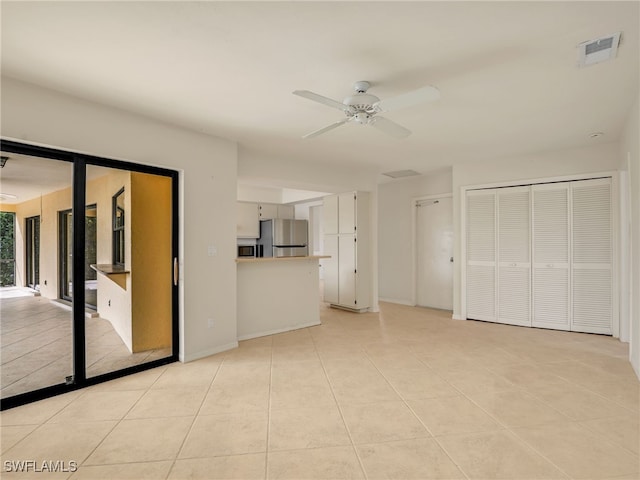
[37, 330]
[132, 256]
[94, 295]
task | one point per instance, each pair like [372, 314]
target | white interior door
[514, 266]
[434, 232]
[481, 255]
[551, 299]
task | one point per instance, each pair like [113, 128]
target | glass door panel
[32, 250]
[36, 329]
[133, 321]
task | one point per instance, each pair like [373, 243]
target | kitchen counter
[277, 295]
[278, 259]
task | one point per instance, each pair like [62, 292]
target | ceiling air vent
[401, 173]
[598, 50]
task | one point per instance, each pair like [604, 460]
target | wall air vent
[401, 173]
[598, 50]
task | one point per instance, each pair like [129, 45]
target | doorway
[32, 251]
[434, 252]
[7, 249]
[66, 256]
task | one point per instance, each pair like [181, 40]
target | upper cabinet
[248, 220]
[268, 210]
[250, 214]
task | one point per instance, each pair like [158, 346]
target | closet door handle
[175, 271]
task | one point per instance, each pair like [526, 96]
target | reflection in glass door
[32, 251]
[134, 261]
[36, 331]
[66, 256]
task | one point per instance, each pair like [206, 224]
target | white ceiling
[507, 71]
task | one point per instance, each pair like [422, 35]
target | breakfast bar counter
[277, 294]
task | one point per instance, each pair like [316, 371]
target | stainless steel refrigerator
[280, 237]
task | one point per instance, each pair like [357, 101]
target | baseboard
[279, 330]
[455, 316]
[397, 301]
[207, 353]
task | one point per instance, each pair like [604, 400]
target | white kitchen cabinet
[330, 214]
[347, 278]
[250, 214]
[268, 210]
[248, 220]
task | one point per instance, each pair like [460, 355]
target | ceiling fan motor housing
[362, 102]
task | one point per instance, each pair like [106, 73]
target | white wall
[630, 161]
[257, 168]
[395, 234]
[253, 193]
[208, 167]
[595, 159]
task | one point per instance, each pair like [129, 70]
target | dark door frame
[80, 162]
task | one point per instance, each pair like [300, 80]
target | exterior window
[118, 228]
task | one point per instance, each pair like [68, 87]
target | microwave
[246, 250]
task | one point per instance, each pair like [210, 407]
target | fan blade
[326, 129]
[424, 94]
[389, 127]
[320, 99]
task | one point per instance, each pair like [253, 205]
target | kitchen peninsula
[277, 294]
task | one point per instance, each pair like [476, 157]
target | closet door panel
[481, 255]
[481, 292]
[592, 300]
[592, 249]
[514, 232]
[514, 296]
[550, 247]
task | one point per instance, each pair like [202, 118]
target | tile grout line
[82, 464]
[195, 417]
[414, 413]
[344, 422]
[266, 447]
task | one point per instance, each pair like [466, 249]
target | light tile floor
[37, 341]
[406, 394]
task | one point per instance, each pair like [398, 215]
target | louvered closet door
[514, 267]
[481, 255]
[592, 256]
[550, 256]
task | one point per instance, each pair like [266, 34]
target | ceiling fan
[362, 108]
